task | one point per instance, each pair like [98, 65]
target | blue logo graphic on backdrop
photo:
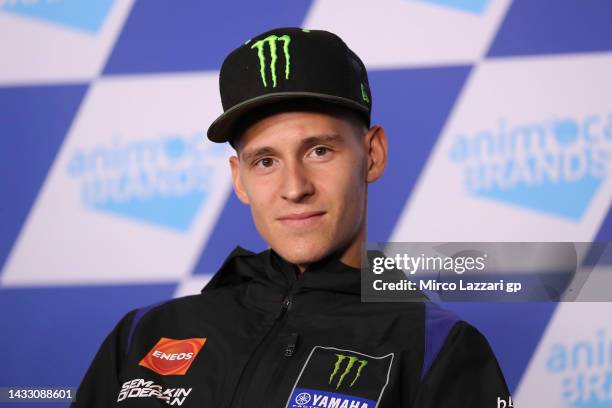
[471, 6]
[163, 180]
[585, 368]
[84, 15]
[554, 166]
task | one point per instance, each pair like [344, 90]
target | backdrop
[499, 116]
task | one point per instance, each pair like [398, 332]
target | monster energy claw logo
[351, 362]
[364, 94]
[272, 40]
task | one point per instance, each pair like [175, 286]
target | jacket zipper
[247, 374]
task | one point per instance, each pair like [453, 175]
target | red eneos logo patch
[172, 357]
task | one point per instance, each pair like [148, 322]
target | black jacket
[260, 336]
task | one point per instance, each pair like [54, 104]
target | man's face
[304, 175]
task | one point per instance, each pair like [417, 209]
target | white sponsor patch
[140, 388]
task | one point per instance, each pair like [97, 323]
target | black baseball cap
[289, 64]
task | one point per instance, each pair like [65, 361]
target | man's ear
[376, 148]
[237, 182]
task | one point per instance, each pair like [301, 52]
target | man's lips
[301, 219]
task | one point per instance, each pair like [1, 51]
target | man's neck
[351, 255]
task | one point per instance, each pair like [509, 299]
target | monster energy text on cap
[289, 63]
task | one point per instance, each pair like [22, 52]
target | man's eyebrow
[333, 138]
[257, 152]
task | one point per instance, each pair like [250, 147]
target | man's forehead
[292, 128]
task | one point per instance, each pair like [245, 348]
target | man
[285, 327]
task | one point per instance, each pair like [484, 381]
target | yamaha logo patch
[333, 377]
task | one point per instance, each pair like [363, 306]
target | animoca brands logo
[172, 357]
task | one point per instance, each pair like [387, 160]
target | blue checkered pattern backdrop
[499, 116]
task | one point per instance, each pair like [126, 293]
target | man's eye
[265, 162]
[320, 150]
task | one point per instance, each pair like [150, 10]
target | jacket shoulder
[459, 366]
[438, 324]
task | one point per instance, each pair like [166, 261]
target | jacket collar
[327, 274]
[270, 269]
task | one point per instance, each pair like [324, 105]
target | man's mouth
[302, 219]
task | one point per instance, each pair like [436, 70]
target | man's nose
[296, 183]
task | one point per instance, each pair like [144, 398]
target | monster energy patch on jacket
[333, 377]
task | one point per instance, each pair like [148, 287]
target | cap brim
[222, 128]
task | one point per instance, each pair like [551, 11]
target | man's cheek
[259, 219]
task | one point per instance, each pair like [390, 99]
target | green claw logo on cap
[364, 94]
[272, 40]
